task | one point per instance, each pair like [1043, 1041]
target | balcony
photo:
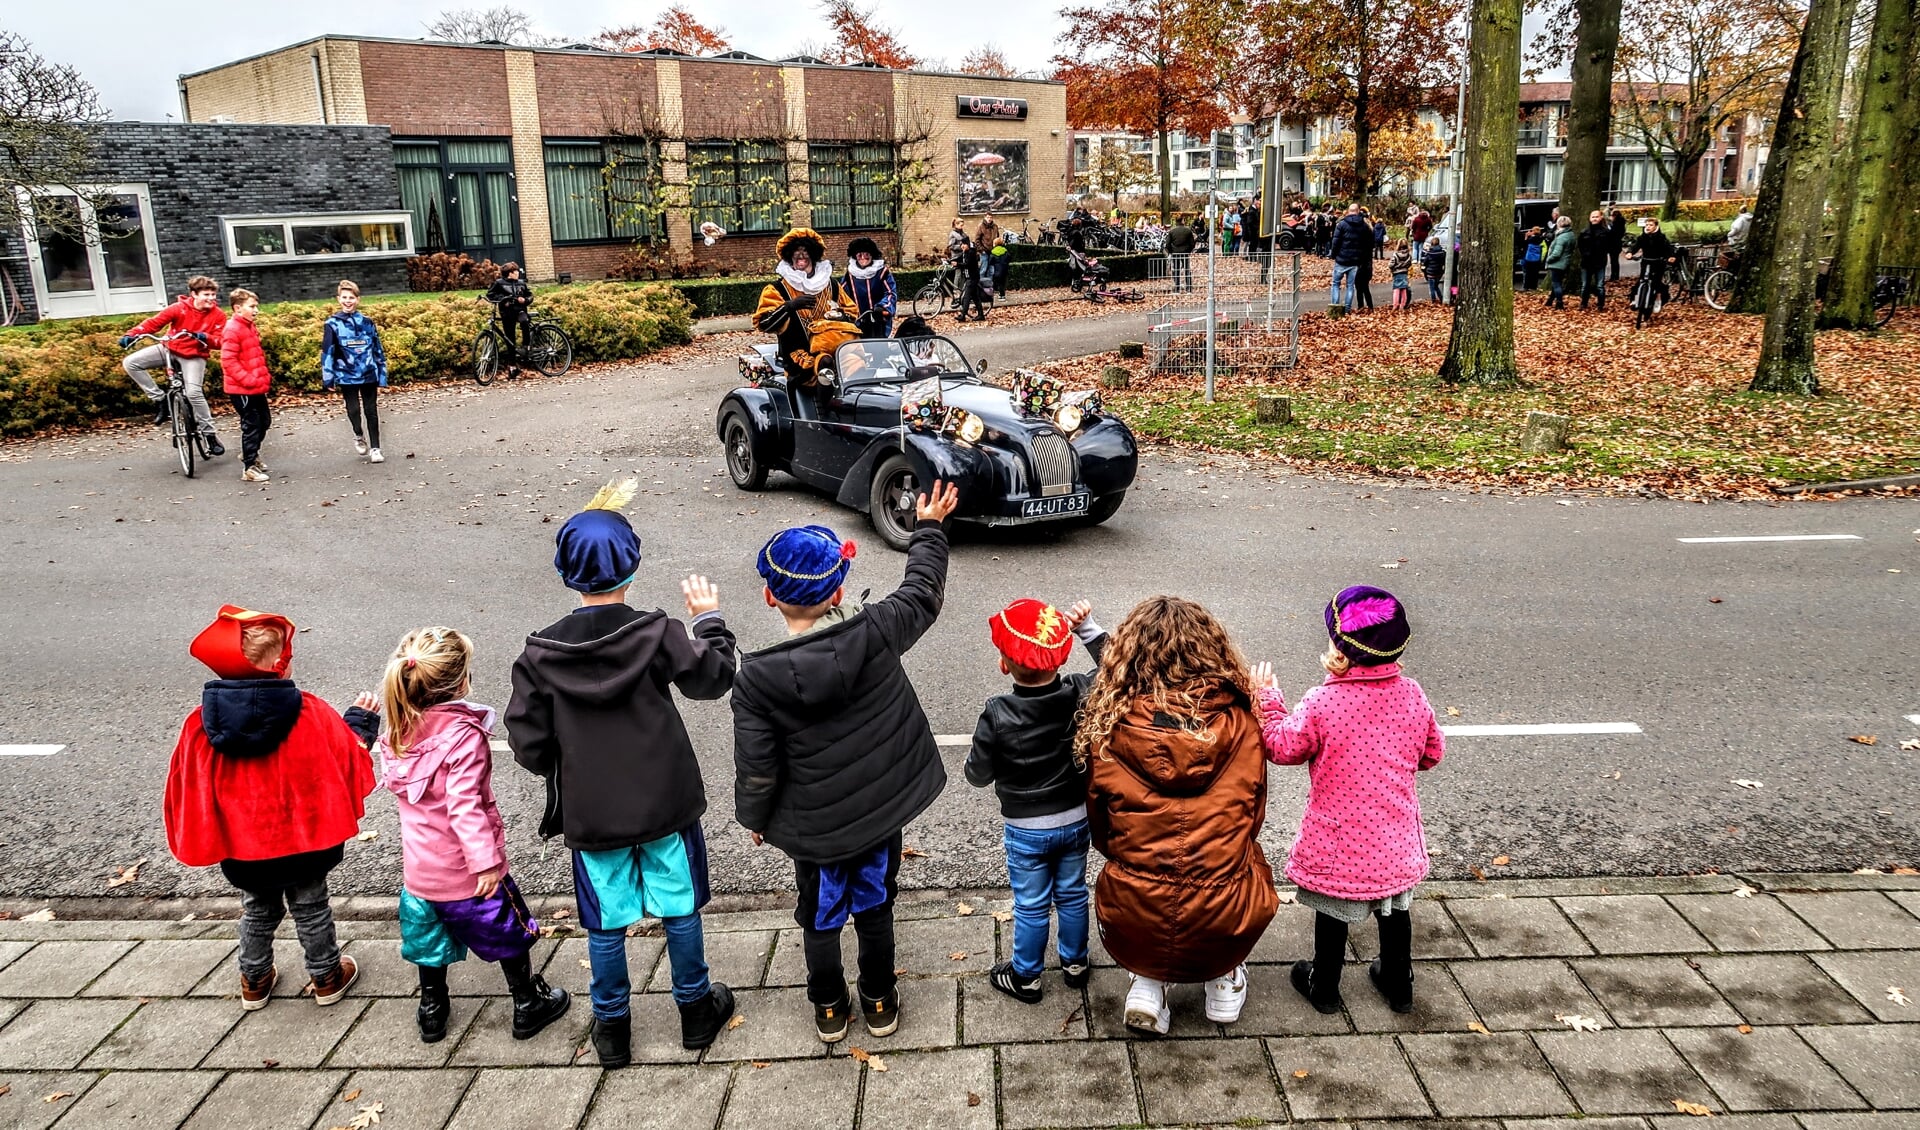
[1540, 137]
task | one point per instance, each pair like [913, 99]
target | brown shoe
[328, 990]
[256, 992]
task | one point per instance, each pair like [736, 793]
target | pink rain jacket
[450, 827]
[1362, 735]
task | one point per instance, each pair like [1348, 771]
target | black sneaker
[214, 446]
[162, 411]
[1077, 974]
[1005, 980]
[830, 1020]
[882, 1014]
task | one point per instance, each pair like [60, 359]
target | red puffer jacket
[243, 366]
[181, 316]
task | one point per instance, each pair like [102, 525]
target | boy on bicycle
[197, 313]
[513, 298]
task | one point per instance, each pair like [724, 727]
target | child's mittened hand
[938, 503]
[701, 595]
[1263, 677]
[367, 701]
[1079, 612]
[487, 882]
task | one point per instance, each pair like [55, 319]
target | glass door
[95, 254]
[462, 195]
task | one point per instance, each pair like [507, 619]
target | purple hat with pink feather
[1368, 625]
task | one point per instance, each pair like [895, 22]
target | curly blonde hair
[430, 667]
[1167, 650]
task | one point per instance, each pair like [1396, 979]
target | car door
[825, 442]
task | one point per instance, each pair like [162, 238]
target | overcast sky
[132, 51]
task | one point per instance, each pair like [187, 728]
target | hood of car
[994, 406]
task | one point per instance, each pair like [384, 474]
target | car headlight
[971, 429]
[1068, 416]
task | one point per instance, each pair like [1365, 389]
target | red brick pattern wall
[849, 105]
[468, 88]
[584, 263]
[594, 96]
[732, 100]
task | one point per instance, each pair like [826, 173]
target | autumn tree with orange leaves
[676, 30]
[858, 38]
[990, 61]
[1149, 66]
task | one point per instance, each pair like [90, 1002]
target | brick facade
[435, 89]
[596, 96]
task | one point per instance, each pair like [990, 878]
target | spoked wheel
[1718, 289]
[747, 472]
[185, 442]
[1885, 300]
[890, 503]
[552, 350]
[929, 300]
[487, 349]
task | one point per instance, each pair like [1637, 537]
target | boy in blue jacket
[352, 358]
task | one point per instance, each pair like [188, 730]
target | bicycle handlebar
[162, 339]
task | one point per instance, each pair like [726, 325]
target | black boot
[162, 411]
[1319, 980]
[613, 1041]
[1392, 971]
[435, 1008]
[535, 1003]
[701, 1021]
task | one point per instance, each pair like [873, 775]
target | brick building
[564, 159]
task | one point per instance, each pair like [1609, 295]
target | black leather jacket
[1023, 745]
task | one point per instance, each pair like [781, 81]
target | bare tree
[49, 120]
[503, 24]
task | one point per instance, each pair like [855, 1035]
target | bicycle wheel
[552, 350]
[182, 425]
[487, 349]
[1718, 289]
[1883, 307]
[929, 300]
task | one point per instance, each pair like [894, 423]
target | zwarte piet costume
[807, 312]
[872, 289]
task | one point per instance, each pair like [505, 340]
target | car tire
[747, 472]
[1104, 507]
[892, 480]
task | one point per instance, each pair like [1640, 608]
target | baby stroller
[1085, 272]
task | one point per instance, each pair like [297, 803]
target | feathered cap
[1032, 633]
[244, 644]
[798, 238]
[804, 564]
[1368, 625]
[863, 243]
[596, 550]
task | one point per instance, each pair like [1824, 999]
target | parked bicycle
[941, 293]
[548, 350]
[188, 443]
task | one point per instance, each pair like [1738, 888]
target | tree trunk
[1362, 96]
[1862, 184]
[1590, 112]
[1786, 341]
[1481, 348]
[1900, 239]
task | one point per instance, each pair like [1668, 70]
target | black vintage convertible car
[895, 415]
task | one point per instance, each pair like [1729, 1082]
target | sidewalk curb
[1883, 483]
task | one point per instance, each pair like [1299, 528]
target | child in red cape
[269, 782]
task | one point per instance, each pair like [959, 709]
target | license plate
[1057, 506]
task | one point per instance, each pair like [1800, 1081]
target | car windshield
[895, 360]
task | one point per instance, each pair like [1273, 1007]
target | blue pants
[686, 955]
[1343, 280]
[1048, 869]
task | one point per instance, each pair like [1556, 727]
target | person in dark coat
[1433, 264]
[870, 284]
[972, 290]
[1595, 243]
[1180, 245]
[1351, 246]
[1617, 233]
[832, 754]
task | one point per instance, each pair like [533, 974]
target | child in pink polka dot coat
[1362, 735]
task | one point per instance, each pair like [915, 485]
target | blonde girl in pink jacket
[435, 757]
[1362, 734]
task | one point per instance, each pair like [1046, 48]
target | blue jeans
[1343, 278]
[686, 954]
[1048, 868]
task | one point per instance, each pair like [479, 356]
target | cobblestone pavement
[1777, 1002]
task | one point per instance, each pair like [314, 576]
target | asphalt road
[1739, 661]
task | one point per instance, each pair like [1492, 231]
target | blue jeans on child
[1048, 867]
[686, 956]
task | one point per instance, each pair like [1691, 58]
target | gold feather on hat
[615, 495]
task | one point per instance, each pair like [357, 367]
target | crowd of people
[1157, 757]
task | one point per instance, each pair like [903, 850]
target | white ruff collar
[806, 284]
[863, 273]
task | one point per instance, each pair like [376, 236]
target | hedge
[1034, 267]
[67, 373]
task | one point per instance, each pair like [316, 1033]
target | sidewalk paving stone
[1881, 1061]
[1187, 1081]
[173, 1033]
[1622, 1071]
[1908, 899]
[1868, 976]
[1602, 1123]
[11, 1009]
[1435, 934]
[1632, 924]
[140, 1100]
[1652, 992]
[59, 969]
[794, 1095]
[533, 1096]
[1857, 920]
[1106, 1008]
[1782, 989]
[659, 1098]
[57, 1035]
[409, 1100]
[1852, 1122]
[1289, 937]
[1067, 1085]
[476, 978]
[737, 959]
[929, 1018]
[1727, 1122]
[1747, 925]
[1272, 1008]
[1524, 994]
[161, 969]
[1832, 881]
[1763, 1070]
[941, 1090]
[388, 1035]
[382, 972]
[11, 950]
[25, 1108]
[1517, 928]
[293, 1034]
[489, 1040]
[775, 1024]
[563, 970]
[266, 1100]
[107, 930]
[656, 1030]
[1346, 1077]
[789, 965]
[1474, 1076]
[989, 1017]
[926, 948]
[1438, 1003]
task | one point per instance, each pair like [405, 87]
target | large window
[1634, 180]
[603, 192]
[852, 186]
[460, 191]
[92, 251]
[254, 240]
[740, 185]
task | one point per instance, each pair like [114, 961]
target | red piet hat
[222, 647]
[1033, 634]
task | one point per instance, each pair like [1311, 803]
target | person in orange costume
[804, 308]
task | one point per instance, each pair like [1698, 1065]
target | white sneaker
[374, 456]
[359, 446]
[1226, 996]
[254, 474]
[1147, 1006]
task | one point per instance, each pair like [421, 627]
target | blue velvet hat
[805, 564]
[596, 551]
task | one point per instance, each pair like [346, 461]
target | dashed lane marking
[1772, 537]
[1541, 728]
[30, 750]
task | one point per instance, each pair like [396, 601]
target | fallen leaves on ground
[1695, 1109]
[125, 875]
[6, 1089]
[1865, 739]
[963, 909]
[959, 955]
[350, 1096]
[1003, 916]
[367, 836]
[873, 1062]
[1067, 1021]
[1453, 712]
[911, 852]
[1501, 861]
[1743, 892]
[736, 1022]
[1910, 743]
[1578, 1022]
[1476, 1026]
[1898, 996]
[1478, 875]
[45, 914]
[1302, 1073]
[1745, 1029]
[973, 1098]
[57, 1096]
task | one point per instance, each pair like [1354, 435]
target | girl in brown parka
[1177, 795]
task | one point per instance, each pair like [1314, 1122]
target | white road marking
[953, 739]
[1541, 728]
[1914, 718]
[30, 750]
[1773, 537]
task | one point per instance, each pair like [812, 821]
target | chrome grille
[1053, 463]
